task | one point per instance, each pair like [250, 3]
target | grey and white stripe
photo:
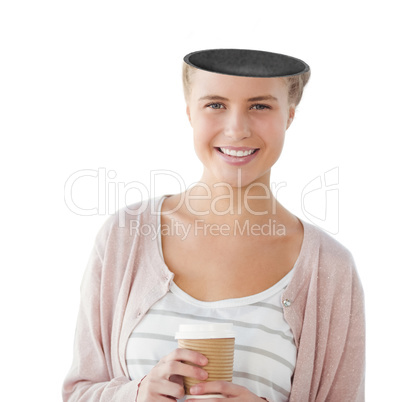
[265, 351]
[235, 322]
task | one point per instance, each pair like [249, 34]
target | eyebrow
[254, 99]
[213, 97]
[263, 98]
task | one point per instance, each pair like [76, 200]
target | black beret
[246, 63]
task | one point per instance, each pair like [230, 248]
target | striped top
[325, 313]
[265, 352]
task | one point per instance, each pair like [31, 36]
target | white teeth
[232, 152]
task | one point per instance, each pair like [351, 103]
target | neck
[224, 202]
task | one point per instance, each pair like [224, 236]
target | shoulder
[326, 264]
[335, 265]
[134, 223]
[330, 251]
[126, 245]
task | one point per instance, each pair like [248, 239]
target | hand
[232, 392]
[165, 381]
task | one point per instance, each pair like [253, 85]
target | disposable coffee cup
[216, 343]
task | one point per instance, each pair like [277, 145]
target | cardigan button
[286, 303]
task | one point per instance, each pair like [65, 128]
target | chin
[243, 180]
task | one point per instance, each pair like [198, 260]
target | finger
[178, 379]
[175, 368]
[172, 390]
[217, 387]
[167, 398]
[212, 399]
[186, 355]
[155, 388]
[216, 398]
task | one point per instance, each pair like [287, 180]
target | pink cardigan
[126, 275]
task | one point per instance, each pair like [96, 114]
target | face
[239, 126]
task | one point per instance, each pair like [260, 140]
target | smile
[240, 153]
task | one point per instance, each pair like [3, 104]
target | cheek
[204, 129]
[272, 130]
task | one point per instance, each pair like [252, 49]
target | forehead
[204, 82]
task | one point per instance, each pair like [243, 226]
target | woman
[224, 250]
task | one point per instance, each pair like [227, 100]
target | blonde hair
[187, 73]
[295, 83]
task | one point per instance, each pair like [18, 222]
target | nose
[237, 126]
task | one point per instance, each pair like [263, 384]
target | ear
[188, 114]
[292, 111]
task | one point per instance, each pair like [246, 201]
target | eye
[215, 106]
[259, 106]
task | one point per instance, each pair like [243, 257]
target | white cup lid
[205, 331]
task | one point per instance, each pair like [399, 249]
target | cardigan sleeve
[340, 354]
[91, 375]
[327, 317]
[349, 381]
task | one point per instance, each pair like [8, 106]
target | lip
[237, 148]
[237, 160]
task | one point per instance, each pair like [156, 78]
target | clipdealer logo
[319, 198]
[320, 201]
[202, 228]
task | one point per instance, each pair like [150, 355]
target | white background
[97, 85]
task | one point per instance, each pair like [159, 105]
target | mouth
[236, 152]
